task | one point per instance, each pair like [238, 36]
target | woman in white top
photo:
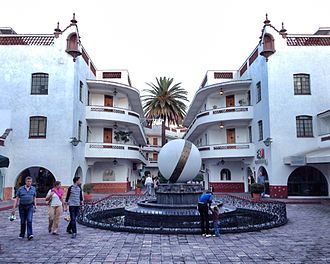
[55, 199]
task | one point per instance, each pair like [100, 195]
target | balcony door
[108, 100]
[107, 135]
[230, 101]
[231, 136]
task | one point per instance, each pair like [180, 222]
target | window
[250, 134]
[38, 125]
[79, 130]
[304, 126]
[261, 134]
[258, 91]
[155, 141]
[81, 86]
[225, 175]
[301, 83]
[39, 83]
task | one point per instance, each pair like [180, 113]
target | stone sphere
[179, 161]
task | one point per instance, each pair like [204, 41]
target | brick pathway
[305, 239]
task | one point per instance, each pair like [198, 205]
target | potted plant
[242, 102]
[122, 136]
[256, 190]
[138, 187]
[87, 189]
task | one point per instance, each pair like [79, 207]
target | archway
[88, 176]
[42, 179]
[265, 174]
[307, 181]
[79, 173]
[250, 177]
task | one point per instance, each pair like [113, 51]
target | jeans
[26, 214]
[149, 189]
[216, 226]
[74, 211]
[204, 214]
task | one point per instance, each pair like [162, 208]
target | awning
[4, 162]
[321, 155]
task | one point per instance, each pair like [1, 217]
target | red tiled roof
[27, 40]
[307, 41]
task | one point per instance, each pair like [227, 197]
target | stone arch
[79, 173]
[307, 181]
[42, 179]
[88, 176]
[265, 174]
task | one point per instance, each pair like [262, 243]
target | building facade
[269, 117]
[60, 117]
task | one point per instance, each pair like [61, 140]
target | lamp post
[74, 141]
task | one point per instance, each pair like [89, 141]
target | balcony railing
[212, 114]
[116, 110]
[237, 150]
[103, 150]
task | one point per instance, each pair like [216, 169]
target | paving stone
[305, 239]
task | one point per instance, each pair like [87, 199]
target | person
[74, 199]
[216, 219]
[250, 181]
[55, 199]
[261, 180]
[204, 202]
[148, 184]
[26, 198]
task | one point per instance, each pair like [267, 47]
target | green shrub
[88, 188]
[257, 188]
[139, 184]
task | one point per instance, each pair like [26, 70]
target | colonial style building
[271, 116]
[60, 117]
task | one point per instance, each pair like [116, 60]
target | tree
[165, 101]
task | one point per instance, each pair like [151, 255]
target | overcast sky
[174, 38]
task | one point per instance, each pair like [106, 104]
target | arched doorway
[265, 174]
[79, 173]
[42, 179]
[307, 181]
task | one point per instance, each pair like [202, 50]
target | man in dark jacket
[203, 207]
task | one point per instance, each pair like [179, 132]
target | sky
[181, 39]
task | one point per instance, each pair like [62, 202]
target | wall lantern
[221, 92]
[74, 141]
[222, 162]
[268, 141]
[115, 92]
[115, 162]
[221, 125]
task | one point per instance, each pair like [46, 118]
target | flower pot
[87, 197]
[138, 191]
[256, 197]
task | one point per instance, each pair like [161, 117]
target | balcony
[238, 150]
[104, 115]
[118, 151]
[215, 116]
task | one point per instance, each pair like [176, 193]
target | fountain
[174, 208]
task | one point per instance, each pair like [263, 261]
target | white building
[272, 115]
[65, 118]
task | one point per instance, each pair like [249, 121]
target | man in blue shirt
[26, 198]
[203, 207]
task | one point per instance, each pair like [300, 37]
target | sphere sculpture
[179, 161]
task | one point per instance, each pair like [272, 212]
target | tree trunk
[163, 133]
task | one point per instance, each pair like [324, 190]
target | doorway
[107, 135]
[231, 138]
[108, 100]
[230, 102]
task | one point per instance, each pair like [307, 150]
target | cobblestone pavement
[305, 239]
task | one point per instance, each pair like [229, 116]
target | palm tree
[165, 102]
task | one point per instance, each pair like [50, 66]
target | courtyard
[304, 239]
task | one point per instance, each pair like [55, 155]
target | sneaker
[30, 237]
[69, 231]
[20, 237]
[49, 231]
[208, 235]
[74, 235]
[203, 234]
[56, 234]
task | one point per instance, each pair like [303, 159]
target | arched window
[39, 84]
[225, 175]
[72, 42]
[269, 42]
